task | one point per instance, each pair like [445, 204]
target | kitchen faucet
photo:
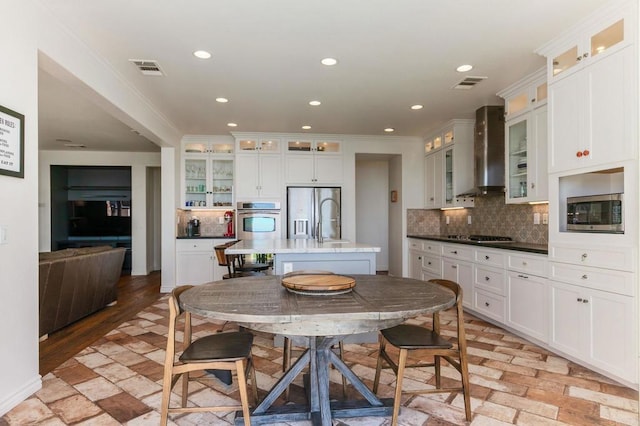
[319, 234]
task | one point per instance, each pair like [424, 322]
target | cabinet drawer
[533, 265]
[432, 247]
[426, 246]
[195, 245]
[604, 257]
[432, 264]
[490, 305]
[415, 244]
[600, 279]
[490, 279]
[490, 257]
[457, 251]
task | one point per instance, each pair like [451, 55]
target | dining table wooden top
[262, 303]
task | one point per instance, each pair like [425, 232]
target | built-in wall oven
[258, 220]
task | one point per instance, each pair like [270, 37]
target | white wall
[397, 215]
[138, 161]
[407, 172]
[372, 211]
[18, 212]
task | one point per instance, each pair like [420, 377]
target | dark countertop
[515, 246]
[205, 237]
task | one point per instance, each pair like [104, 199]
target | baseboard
[25, 392]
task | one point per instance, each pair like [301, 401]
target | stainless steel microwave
[596, 213]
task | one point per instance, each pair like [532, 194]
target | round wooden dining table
[261, 303]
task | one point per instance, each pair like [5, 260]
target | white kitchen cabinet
[592, 115]
[449, 171]
[525, 95]
[433, 180]
[425, 260]
[609, 30]
[196, 261]
[207, 173]
[313, 162]
[207, 181]
[457, 267]
[526, 139]
[595, 326]
[258, 169]
[592, 90]
[527, 304]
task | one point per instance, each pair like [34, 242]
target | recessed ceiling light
[202, 54]
[417, 106]
[315, 103]
[306, 127]
[232, 124]
[222, 100]
[389, 129]
[329, 61]
[464, 68]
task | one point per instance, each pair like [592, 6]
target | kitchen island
[339, 256]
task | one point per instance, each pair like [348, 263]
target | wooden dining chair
[229, 351]
[233, 264]
[429, 342]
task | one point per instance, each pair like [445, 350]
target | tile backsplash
[212, 223]
[490, 216]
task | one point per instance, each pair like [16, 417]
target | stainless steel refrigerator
[307, 206]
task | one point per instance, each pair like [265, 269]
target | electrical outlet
[3, 235]
[468, 219]
[545, 218]
[287, 267]
[536, 218]
[446, 219]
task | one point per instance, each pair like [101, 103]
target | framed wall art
[11, 143]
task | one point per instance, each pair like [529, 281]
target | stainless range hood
[488, 152]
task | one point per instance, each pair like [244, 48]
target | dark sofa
[77, 282]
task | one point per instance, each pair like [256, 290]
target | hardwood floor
[135, 293]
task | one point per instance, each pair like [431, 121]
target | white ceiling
[266, 61]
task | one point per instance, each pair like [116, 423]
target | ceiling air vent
[148, 67]
[468, 82]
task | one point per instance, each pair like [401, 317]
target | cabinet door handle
[523, 276]
[454, 252]
[486, 304]
[487, 278]
[428, 263]
[584, 277]
[585, 300]
[579, 299]
[585, 152]
[585, 55]
[579, 154]
[486, 257]
[533, 185]
[583, 257]
[454, 266]
[524, 263]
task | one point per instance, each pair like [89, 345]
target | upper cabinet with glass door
[526, 139]
[611, 32]
[207, 170]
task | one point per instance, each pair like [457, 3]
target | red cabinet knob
[579, 154]
[585, 152]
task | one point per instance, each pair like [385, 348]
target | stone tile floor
[118, 381]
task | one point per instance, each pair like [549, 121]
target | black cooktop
[480, 238]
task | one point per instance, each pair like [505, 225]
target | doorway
[378, 219]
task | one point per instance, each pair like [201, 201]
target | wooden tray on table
[318, 284]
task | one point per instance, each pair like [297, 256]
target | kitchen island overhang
[341, 257]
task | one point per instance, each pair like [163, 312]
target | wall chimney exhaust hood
[488, 152]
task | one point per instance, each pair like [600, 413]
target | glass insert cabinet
[517, 159]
